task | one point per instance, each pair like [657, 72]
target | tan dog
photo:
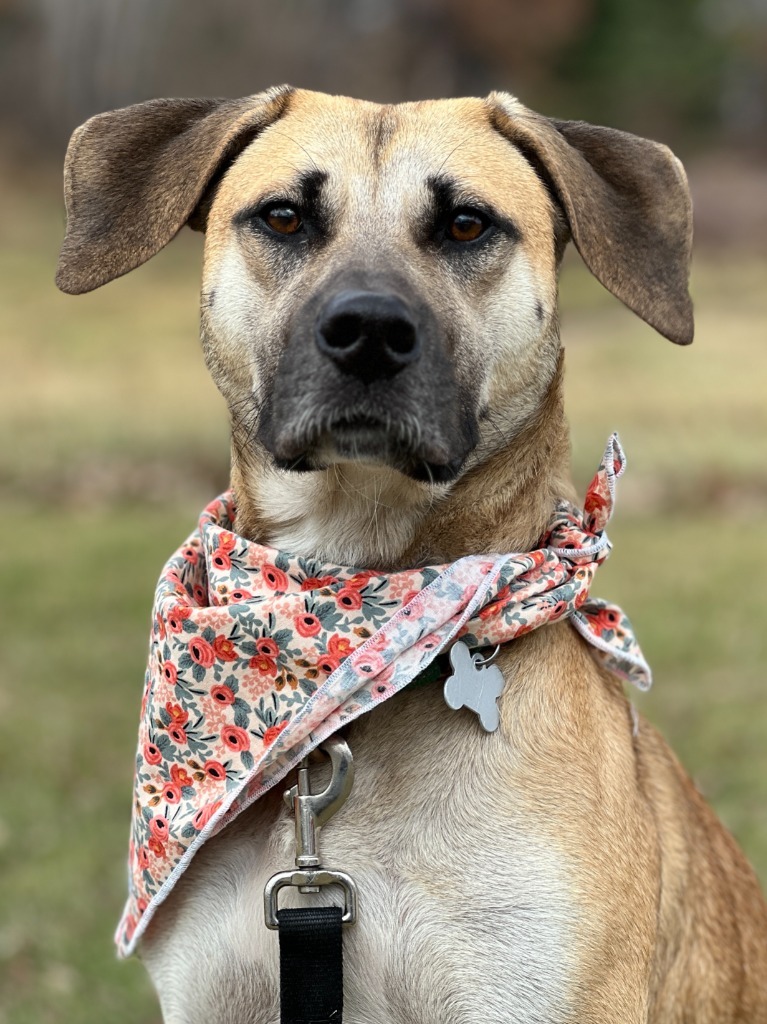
[380, 311]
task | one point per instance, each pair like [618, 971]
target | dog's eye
[467, 225]
[282, 218]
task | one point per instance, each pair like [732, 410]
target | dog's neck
[373, 517]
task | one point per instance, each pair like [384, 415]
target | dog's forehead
[380, 151]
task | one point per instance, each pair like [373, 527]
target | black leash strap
[311, 965]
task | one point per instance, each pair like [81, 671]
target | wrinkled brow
[306, 191]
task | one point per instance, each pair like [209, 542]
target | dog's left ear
[134, 177]
[627, 204]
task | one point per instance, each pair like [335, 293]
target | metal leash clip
[312, 811]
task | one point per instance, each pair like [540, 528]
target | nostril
[343, 332]
[401, 339]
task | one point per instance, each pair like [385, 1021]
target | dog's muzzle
[366, 375]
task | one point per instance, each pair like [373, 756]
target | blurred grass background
[112, 437]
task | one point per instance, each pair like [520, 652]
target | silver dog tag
[474, 684]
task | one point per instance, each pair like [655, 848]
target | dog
[563, 868]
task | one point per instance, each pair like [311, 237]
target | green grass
[113, 437]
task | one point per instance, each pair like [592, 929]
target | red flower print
[266, 666]
[178, 734]
[559, 609]
[227, 541]
[275, 578]
[307, 625]
[240, 595]
[161, 631]
[318, 582]
[349, 598]
[202, 652]
[171, 793]
[605, 619]
[595, 502]
[169, 672]
[180, 776]
[158, 827]
[177, 713]
[200, 595]
[143, 858]
[272, 733]
[176, 617]
[360, 579]
[141, 904]
[222, 694]
[203, 816]
[267, 646]
[190, 555]
[221, 560]
[152, 754]
[235, 738]
[495, 606]
[339, 646]
[224, 649]
[156, 846]
[214, 770]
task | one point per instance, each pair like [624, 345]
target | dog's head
[379, 281]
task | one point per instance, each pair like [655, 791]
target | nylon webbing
[311, 965]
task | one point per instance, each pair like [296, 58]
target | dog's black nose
[369, 335]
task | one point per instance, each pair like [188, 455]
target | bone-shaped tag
[474, 685]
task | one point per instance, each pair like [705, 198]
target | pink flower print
[235, 738]
[170, 674]
[370, 663]
[307, 625]
[201, 652]
[274, 578]
[221, 560]
[203, 816]
[222, 695]
[159, 828]
[349, 598]
[214, 770]
[152, 754]
[171, 793]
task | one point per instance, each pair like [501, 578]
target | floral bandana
[257, 656]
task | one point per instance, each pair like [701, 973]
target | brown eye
[283, 219]
[467, 226]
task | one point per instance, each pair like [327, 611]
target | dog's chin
[371, 444]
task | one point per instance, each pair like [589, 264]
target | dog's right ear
[134, 177]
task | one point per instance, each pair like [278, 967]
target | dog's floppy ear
[627, 204]
[134, 177]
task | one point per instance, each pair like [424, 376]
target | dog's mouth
[377, 440]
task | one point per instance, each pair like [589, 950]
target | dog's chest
[465, 916]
